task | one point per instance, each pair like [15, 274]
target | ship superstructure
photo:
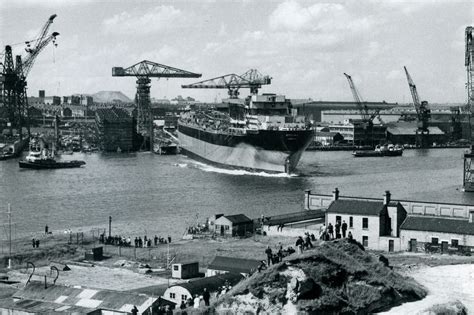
[260, 133]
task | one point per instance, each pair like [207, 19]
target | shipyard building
[115, 129]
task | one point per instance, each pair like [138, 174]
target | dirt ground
[124, 267]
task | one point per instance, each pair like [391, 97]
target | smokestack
[335, 194]
[471, 216]
[386, 197]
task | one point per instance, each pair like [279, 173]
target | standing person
[37, 242]
[331, 230]
[344, 229]
[134, 310]
[307, 241]
[156, 240]
[169, 239]
[206, 296]
[268, 251]
[46, 229]
[299, 244]
[338, 229]
[197, 300]
[34, 243]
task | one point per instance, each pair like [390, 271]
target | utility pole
[9, 212]
[110, 227]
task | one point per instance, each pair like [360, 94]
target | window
[454, 243]
[338, 218]
[434, 240]
[365, 241]
[365, 223]
[226, 227]
[351, 222]
[172, 295]
[175, 267]
[184, 297]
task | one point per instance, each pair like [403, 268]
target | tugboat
[385, 150]
[42, 160]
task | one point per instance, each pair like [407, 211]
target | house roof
[233, 264]
[238, 218]
[84, 297]
[42, 307]
[294, 217]
[410, 128]
[356, 207]
[438, 224]
[212, 284]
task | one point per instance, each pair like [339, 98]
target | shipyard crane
[251, 79]
[422, 113]
[365, 114]
[468, 177]
[15, 75]
[143, 71]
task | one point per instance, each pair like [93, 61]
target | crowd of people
[338, 230]
[137, 242]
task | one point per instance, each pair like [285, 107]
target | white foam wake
[209, 168]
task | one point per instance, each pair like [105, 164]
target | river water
[151, 194]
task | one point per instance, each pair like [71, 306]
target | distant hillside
[110, 96]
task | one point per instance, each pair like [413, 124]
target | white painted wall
[422, 236]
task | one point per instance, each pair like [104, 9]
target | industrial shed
[233, 225]
[35, 298]
[223, 264]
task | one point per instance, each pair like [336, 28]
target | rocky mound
[110, 97]
[335, 277]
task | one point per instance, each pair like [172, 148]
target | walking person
[269, 253]
[206, 296]
[331, 231]
[344, 229]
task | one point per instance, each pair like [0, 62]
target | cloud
[44, 3]
[159, 18]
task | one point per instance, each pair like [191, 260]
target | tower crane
[143, 71]
[365, 114]
[422, 113]
[15, 75]
[251, 79]
[468, 178]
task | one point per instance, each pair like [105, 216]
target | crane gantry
[423, 114]
[143, 71]
[251, 79]
[365, 114]
[14, 77]
[468, 177]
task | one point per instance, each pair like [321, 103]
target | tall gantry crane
[143, 71]
[366, 115]
[251, 79]
[14, 77]
[423, 114]
[468, 178]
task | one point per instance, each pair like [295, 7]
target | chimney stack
[335, 194]
[386, 197]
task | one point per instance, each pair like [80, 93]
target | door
[222, 230]
[413, 245]
[390, 245]
[444, 246]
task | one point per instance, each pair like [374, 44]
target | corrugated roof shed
[233, 264]
[238, 218]
[294, 217]
[356, 207]
[438, 224]
[84, 297]
[211, 283]
[41, 307]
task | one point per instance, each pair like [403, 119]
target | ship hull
[266, 150]
[50, 165]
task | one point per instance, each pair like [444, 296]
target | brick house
[233, 225]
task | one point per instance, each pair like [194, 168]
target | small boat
[385, 150]
[41, 160]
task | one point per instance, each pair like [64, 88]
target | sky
[305, 46]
